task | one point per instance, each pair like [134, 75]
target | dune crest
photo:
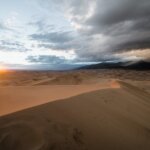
[23, 97]
[115, 84]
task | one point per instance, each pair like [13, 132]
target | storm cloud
[106, 29]
[53, 37]
[124, 23]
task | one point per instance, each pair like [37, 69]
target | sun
[2, 69]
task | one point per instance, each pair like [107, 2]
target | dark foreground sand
[105, 119]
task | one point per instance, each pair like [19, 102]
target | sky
[54, 34]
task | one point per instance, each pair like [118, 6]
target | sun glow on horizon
[3, 69]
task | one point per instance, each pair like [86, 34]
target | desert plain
[75, 110]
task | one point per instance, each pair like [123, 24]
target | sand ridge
[22, 97]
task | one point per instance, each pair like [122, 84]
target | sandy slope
[17, 98]
[107, 119]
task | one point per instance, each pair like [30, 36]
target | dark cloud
[53, 37]
[108, 13]
[104, 28]
[63, 46]
[119, 25]
[53, 62]
[45, 59]
[50, 37]
[134, 45]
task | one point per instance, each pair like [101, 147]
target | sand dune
[141, 93]
[26, 78]
[112, 118]
[20, 97]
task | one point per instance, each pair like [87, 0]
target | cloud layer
[106, 30]
[114, 26]
[44, 59]
[93, 31]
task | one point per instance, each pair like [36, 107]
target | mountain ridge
[140, 65]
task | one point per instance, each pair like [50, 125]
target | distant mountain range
[140, 65]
